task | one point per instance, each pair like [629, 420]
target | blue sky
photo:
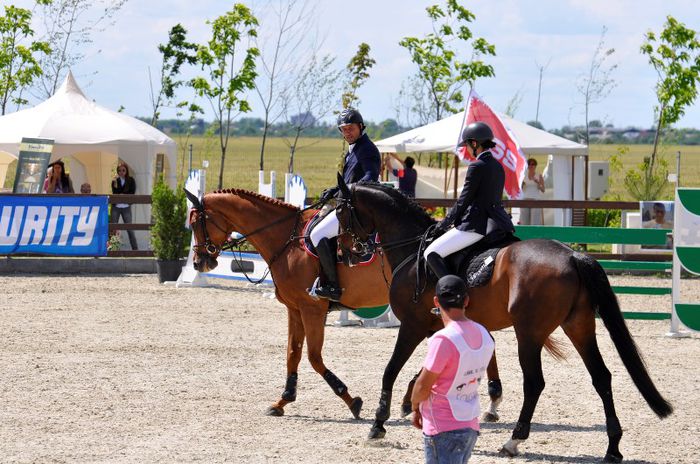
[562, 33]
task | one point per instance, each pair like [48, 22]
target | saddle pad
[311, 249]
[480, 268]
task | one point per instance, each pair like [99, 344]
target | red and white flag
[507, 150]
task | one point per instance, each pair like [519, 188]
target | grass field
[317, 160]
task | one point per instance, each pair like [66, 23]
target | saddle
[311, 249]
[475, 264]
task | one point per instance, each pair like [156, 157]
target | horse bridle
[209, 247]
[360, 246]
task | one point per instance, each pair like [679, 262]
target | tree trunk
[221, 169]
[262, 146]
[656, 138]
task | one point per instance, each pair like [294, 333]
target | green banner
[34, 155]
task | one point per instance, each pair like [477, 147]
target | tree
[675, 56]
[514, 103]
[412, 106]
[176, 52]
[541, 70]
[277, 61]
[226, 83]
[438, 63]
[19, 63]
[314, 94]
[358, 72]
[597, 83]
[69, 26]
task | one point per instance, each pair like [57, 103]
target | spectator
[445, 398]
[123, 183]
[532, 189]
[57, 181]
[85, 188]
[407, 175]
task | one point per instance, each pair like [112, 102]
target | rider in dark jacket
[479, 202]
[362, 162]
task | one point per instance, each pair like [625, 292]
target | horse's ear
[193, 199]
[344, 190]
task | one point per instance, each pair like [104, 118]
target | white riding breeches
[451, 242]
[327, 228]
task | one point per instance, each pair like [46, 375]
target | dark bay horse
[537, 286]
[274, 228]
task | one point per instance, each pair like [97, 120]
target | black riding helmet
[350, 116]
[478, 131]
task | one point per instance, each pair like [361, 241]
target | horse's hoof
[406, 410]
[274, 411]
[377, 432]
[490, 417]
[510, 449]
[356, 407]
[610, 457]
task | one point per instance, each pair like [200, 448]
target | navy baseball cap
[451, 291]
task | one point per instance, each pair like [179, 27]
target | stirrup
[330, 292]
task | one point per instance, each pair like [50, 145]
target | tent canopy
[442, 136]
[92, 135]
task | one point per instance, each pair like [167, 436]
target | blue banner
[54, 225]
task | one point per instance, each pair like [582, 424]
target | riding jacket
[480, 199]
[362, 161]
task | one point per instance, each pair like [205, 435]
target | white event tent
[567, 160]
[91, 139]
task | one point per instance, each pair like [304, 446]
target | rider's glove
[328, 194]
[440, 228]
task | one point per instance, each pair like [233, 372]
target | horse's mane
[258, 196]
[399, 200]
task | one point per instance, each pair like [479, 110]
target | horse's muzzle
[204, 263]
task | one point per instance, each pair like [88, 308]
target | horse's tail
[603, 298]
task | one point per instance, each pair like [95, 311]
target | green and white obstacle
[686, 254]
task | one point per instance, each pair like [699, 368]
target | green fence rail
[604, 235]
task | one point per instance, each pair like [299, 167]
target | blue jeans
[453, 447]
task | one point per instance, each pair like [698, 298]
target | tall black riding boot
[328, 286]
[437, 265]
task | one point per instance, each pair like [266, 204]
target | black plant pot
[169, 269]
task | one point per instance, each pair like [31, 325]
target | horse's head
[210, 233]
[354, 239]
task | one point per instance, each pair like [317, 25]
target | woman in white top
[532, 189]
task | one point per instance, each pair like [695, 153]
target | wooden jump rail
[604, 235]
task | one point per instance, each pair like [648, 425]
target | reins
[238, 242]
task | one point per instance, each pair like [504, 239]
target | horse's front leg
[295, 343]
[406, 403]
[314, 326]
[495, 390]
[410, 335]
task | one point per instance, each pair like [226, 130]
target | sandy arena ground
[123, 369]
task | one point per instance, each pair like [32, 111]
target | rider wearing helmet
[362, 162]
[478, 208]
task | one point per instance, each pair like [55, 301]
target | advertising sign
[47, 224]
[34, 155]
[657, 215]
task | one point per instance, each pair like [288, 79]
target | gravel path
[123, 369]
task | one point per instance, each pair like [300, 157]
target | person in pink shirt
[445, 399]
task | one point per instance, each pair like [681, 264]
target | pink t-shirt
[443, 357]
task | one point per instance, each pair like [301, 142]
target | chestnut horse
[274, 228]
[537, 286]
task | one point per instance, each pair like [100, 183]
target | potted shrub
[170, 238]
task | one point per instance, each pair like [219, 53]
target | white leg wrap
[511, 447]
